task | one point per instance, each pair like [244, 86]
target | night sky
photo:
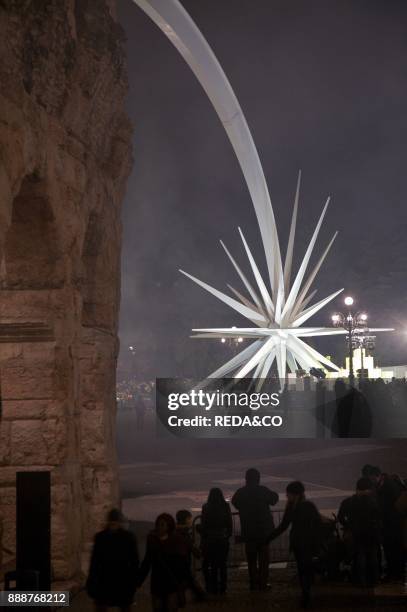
[323, 87]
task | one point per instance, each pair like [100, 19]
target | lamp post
[354, 323]
[232, 342]
[133, 356]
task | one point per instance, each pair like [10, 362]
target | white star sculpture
[277, 311]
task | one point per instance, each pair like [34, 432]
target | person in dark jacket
[113, 566]
[360, 517]
[253, 502]
[305, 534]
[216, 529]
[165, 558]
[387, 491]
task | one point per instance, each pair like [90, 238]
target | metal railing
[279, 548]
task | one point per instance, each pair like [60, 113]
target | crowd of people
[373, 539]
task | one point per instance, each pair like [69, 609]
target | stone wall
[65, 154]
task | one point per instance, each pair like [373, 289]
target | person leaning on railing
[305, 535]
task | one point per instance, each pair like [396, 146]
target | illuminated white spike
[227, 334]
[243, 310]
[309, 332]
[301, 355]
[380, 329]
[251, 364]
[236, 361]
[267, 364]
[260, 283]
[292, 364]
[290, 247]
[281, 355]
[316, 355]
[259, 368]
[243, 277]
[309, 312]
[301, 298]
[304, 362]
[245, 301]
[248, 332]
[305, 303]
[303, 267]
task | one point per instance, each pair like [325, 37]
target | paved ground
[166, 474]
[283, 596]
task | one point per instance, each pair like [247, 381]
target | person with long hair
[216, 529]
[166, 561]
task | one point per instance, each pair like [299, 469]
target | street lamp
[354, 323]
[232, 342]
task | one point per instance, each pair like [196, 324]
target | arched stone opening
[31, 257]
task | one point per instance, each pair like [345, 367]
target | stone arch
[31, 258]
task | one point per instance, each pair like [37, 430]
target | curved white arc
[177, 25]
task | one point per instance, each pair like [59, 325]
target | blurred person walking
[113, 566]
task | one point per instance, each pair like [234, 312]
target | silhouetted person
[387, 491]
[216, 529]
[305, 534]
[166, 560]
[189, 550]
[113, 566]
[360, 517]
[253, 502]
